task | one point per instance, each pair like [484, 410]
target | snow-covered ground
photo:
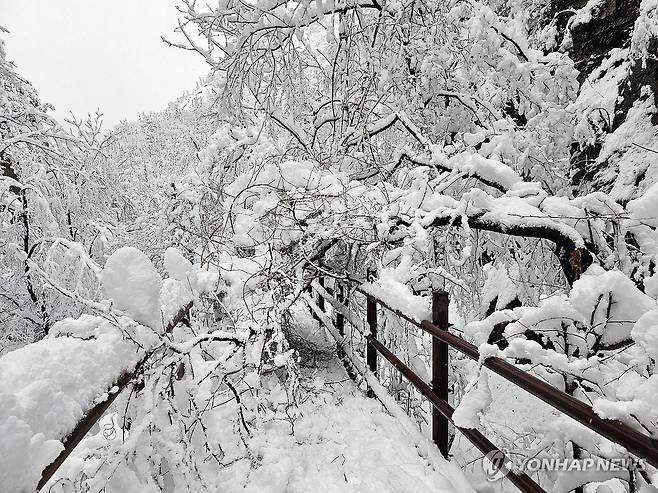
[345, 442]
[340, 442]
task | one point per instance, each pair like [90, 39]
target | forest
[167, 269]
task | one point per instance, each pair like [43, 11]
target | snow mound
[391, 288]
[46, 388]
[611, 301]
[645, 333]
[645, 207]
[176, 264]
[131, 281]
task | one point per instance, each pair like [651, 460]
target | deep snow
[346, 442]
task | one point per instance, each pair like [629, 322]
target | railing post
[340, 318]
[440, 370]
[309, 290]
[320, 298]
[371, 351]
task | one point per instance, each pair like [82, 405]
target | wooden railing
[436, 392]
[96, 412]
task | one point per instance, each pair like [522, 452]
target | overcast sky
[87, 54]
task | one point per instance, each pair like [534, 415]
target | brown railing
[96, 412]
[631, 439]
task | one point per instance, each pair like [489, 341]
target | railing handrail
[482, 443]
[96, 412]
[616, 431]
[634, 441]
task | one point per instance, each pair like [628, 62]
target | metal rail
[96, 412]
[634, 441]
[521, 480]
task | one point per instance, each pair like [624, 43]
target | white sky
[87, 54]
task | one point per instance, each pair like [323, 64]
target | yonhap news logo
[498, 463]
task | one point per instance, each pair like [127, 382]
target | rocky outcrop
[619, 159]
[596, 28]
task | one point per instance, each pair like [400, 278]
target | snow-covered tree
[401, 146]
[434, 143]
[55, 201]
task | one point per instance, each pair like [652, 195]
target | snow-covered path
[346, 442]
